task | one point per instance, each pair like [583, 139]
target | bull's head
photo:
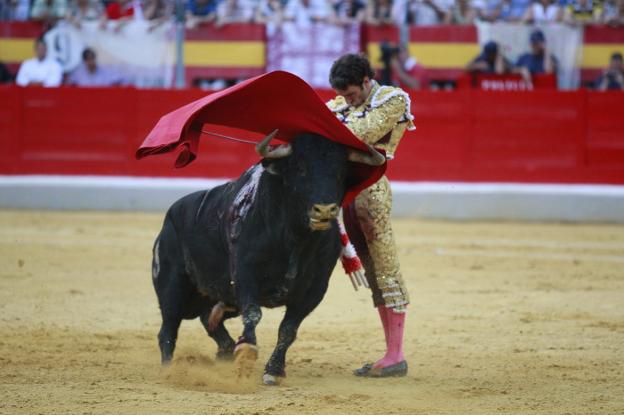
[314, 174]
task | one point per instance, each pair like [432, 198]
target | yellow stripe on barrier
[252, 53]
[15, 50]
[596, 55]
[446, 55]
[434, 55]
[224, 54]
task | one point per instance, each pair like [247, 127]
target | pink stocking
[394, 327]
[384, 321]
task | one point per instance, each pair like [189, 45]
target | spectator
[399, 68]
[538, 60]
[505, 10]
[85, 11]
[90, 74]
[5, 75]
[306, 12]
[407, 72]
[349, 11]
[49, 11]
[40, 70]
[543, 11]
[490, 61]
[123, 9]
[271, 14]
[200, 12]
[613, 77]
[463, 12]
[613, 12]
[234, 11]
[379, 12]
[15, 10]
[421, 12]
[156, 12]
[583, 12]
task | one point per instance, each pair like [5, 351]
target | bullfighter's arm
[379, 121]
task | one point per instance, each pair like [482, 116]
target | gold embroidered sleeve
[337, 104]
[378, 121]
[395, 139]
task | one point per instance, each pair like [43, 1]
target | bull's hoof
[245, 356]
[270, 380]
[225, 355]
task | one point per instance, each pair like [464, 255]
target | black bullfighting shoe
[363, 371]
[395, 370]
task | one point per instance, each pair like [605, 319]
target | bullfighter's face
[355, 95]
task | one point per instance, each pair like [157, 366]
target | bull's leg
[289, 326]
[220, 335]
[247, 297]
[172, 298]
[287, 334]
[245, 351]
[172, 288]
[167, 337]
[252, 314]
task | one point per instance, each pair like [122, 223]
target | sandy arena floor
[506, 318]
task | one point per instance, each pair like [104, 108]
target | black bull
[267, 239]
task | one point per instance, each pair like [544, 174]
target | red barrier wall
[532, 137]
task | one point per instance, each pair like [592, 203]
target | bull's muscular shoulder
[337, 104]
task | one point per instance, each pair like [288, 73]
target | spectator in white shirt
[421, 12]
[40, 70]
[235, 11]
[306, 12]
[543, 11]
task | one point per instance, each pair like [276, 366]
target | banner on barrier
[144, 54]
[563, 41]
[309, 51]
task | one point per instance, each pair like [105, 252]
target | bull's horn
[372, 158]
[265, 151]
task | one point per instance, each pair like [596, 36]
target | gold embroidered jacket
[381, 120]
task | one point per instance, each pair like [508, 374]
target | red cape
[274, 100]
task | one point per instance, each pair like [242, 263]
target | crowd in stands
[400, 67]
[375, 12]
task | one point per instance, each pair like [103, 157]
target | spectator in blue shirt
[506, 10]
[91, 74]
[538, 60]
[200, 11]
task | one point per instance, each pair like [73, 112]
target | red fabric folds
[274, 100]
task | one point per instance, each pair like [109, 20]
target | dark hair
[616, 56]
[88, 52]
[537, 36]
[348, 70]
[39, 40]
